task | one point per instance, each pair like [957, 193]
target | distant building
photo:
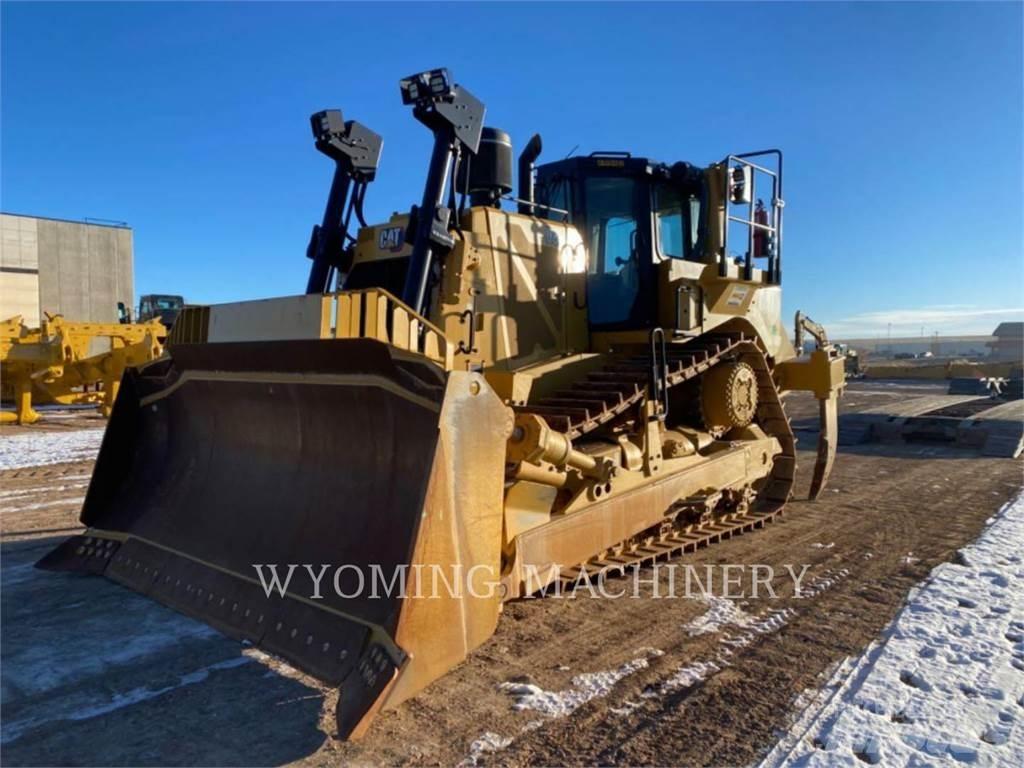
[938, 346]
[1008, 341]
[78, 269]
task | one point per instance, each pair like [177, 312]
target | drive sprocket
[728, 395]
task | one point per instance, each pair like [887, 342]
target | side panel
[518, 276]
[765, 314]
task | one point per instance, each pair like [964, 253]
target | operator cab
[163, 307]
[633, 213]
[653, 229]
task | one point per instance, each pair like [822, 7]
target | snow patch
[946, 680]
[585, 687]
[555, 704]
[17, 573]
[824, 582]
[38, 668]
[684, 677]
[38, 449]
[20, 492]
[627, 708]
[14, 730]
[486, 743]
[73, 500]
[276, 667]
[720, 613]
[724, 613]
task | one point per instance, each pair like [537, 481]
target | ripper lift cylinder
[431, 214]
[330, 238]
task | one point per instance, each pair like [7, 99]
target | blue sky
[901, 125]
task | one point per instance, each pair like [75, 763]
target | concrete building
[1008, 343]
[78, 269]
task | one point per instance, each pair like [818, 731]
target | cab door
[620, 279]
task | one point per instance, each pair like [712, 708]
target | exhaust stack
[530, 153]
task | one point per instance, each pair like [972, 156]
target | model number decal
[738, 295]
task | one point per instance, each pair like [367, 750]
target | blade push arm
[355, 150]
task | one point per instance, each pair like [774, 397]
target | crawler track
[606, 395]
[693, 538]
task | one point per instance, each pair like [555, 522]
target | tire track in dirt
[42, 500]
[891, 501]
[888, 504]
[731, 717]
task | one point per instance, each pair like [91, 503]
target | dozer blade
[828, 438]
[228, 459]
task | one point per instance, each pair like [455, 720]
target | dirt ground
[96, 675]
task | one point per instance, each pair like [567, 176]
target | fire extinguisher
[761, 236]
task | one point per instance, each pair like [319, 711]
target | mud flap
[828, 439]
[318, 459]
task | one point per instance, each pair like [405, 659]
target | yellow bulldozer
[506, 391]
[70, 363]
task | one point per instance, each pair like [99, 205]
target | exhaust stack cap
[526, 193]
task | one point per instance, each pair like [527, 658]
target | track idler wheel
[728, 397]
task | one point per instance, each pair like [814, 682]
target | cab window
[553, 197]
[613, 280]
[677, 218]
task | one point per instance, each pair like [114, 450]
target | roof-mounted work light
[426, 87]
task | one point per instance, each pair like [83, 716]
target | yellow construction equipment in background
[70, 363]
[512, 396]
[931, 368]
